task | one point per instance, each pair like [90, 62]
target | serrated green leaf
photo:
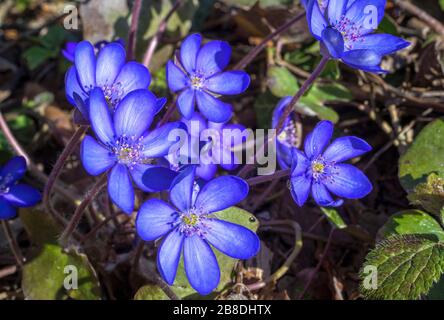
[437, 291]
[424, 157]
[334, 217]
[406, 266]
[226, 264]
[281, 82]
[411, 222]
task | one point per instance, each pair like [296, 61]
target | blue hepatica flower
[191, 226]
[345, 29]
[198, 76]
[12, 193]
[124, 143]
[321, 168]
[287, 139]
[208, 144]
[218, 144]
[70, 48]
[108, 71]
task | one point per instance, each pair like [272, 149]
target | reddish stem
[132, 37]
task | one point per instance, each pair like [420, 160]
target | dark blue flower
[198, 76]
[320, 168]
[287, 138]
[345, 28]
[192, 225]
[124, 143]
[108, 71]
[12, 193]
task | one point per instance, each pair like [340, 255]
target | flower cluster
[113, 97]
[13, 194]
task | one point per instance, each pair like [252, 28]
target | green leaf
[313, 103]
[54, 38]
[334, 217]
[441, 4]
[406, 266]
[44, 272]
[150, 292]
[437, 291]
[331, 70]
[36, 56]
[282, 83]
[153, 13]
[40, 226]
[331, 92]
[226, 264]
[411, 222]
[388, 25]
[424, 157]
[429, 195]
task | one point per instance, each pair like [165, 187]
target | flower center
[128, 151]
[190, 220]
[318, 168]
[288, 135]
[197, 81]
[350, 31]
[113, 93]
[193, 222]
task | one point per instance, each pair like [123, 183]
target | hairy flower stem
[256, 50]
[13, 243]
[69, 148]
[132, 37]
[262, 179]
[78, 214]
[307, 84]
[160, 31]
